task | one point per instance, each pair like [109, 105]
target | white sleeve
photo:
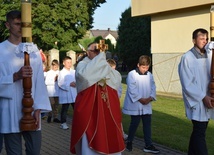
[190, 88]
[6, 80]
[88, 72]
[132, 87]
[62, 82]
[49, 79]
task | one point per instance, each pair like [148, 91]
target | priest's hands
[24, 72]
[207, 100]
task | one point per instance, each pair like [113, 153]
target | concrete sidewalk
[56, 141]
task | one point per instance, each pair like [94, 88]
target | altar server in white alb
[12, 72]
[141, 91]
[53, 90]
[194, 73]
[67, 89]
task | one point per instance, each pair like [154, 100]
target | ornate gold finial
[102, 46]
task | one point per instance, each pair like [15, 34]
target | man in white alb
[12, 71]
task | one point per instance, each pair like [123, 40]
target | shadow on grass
[171, 131]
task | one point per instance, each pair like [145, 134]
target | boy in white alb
[141, 91]
[67, 89]
[53, 90]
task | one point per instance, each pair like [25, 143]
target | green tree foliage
[134, 38]
[61, 21]
[110, 45]
[85, 42]
[97, 39]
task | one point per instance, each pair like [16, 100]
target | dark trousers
[54, 105]
[146, 120]
[1, 141]
[13, 143]
[64, 111]
[197, 143]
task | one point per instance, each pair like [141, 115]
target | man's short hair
[95, 47]
[14, 14]
[201, 30]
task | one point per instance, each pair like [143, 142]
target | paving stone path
[56, 141]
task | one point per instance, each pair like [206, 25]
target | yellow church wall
[171, 36]
[172, 33]
[148, 7]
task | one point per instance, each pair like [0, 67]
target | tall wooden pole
[212, 61]
[27, 122]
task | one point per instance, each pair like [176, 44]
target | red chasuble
[97, 113]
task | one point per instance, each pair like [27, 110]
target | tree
[85, 42]
[134, 38]
[61, 21]
[98, 38]
[110, 45]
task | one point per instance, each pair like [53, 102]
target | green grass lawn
[170, 126]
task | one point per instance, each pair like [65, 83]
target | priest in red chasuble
[96, 124]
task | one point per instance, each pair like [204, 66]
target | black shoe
[56, 120]
[43, 115]
[129, 146]
[151, 149]
[49, 119]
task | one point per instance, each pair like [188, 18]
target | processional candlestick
[28, 121]
[102, 46]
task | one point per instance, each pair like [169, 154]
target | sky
[108, 14]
